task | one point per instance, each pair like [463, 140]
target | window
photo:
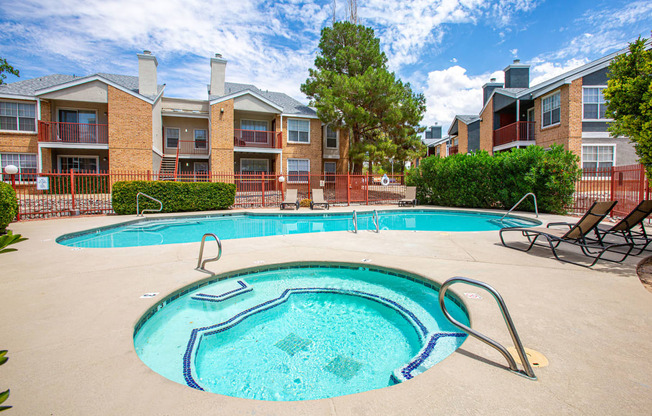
[330, 169]
[171, 137]
[26, 164]
[254, 165]
[298, 131]
[253, 125]
[254, 131]
[78, 164]
[331, 137]
[17, 116]
[595, 106]
[550, 110]
[200, 139]
[298, 170]
[598, 157]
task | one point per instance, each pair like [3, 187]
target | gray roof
[467, 118]
[29, 87]
[512, 92]
[287, 103]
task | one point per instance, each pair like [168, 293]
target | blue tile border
[406, 372]
[244, 288]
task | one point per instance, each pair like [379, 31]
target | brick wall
[221, 137]
[46, 111]
[130, 132]
[487, 128]
[312, 151]
[462, 137]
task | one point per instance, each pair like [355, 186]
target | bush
[482, 181]
[86, 184]
[305, 203]
[8, 205]
[175, 196]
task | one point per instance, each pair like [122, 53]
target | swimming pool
[188, 229]
[299, 331]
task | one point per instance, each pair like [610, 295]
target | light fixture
[281, 179]
[222, 110]
[104, 159]
[11, 169]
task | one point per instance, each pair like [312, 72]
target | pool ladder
[200, 264]
[527, 371]
[376, 221]
[536, 208]
[140, 213]
[374, 218]
[355, 222]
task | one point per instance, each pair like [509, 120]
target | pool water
[174, 230]
[299, 333]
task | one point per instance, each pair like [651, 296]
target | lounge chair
[318, 199]
[410, 197]
[291, 199]
[625, 228]
[576, 235]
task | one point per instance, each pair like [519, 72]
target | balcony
[73, 133]
[257, 139]
[192, 147]
[515, 132]
[453, 150]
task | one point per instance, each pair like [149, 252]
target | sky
[445, 49]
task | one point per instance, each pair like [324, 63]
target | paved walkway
[67, 318]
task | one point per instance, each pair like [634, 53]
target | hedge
[175, 196]
[8, 205]
[479, 180]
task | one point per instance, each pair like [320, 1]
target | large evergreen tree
[629, 99]
[351, 87]
[5, 67]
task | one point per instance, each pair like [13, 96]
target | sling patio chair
[318, 199]
[630, 228]
[291, 199]
[577, 236]
[410, 197]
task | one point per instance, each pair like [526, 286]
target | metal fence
[45, 195]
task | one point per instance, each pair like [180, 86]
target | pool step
[206, 297]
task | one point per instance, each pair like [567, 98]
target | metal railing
[73, 133]
[257, 138]
[517, 131]
[200, 263]
[536, 208]
[355, 222]
[527, 372]
[376, 221]
[140, 213]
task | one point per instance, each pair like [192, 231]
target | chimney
[434, 132]
[488, 88]
[218, 74]
[517, 75]
[147, 83]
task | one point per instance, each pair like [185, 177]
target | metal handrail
[140, 214]
[536, 208]
[200, 263]
[355, 222]
[376, 221]
[527, 372]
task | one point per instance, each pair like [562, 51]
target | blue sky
[445, 48]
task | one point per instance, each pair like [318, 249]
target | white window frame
[19, 178]
[194, 137]
[613, 162]
[257, 121]
[551, 109]
[288, 130]
[258, 159]
[337, 138]
[166, 137]
[36, 115]
[299, 174]
[97, 161]
[602, 87]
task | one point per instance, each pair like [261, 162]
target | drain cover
[292, 344]
[535, 358]
[343, 367]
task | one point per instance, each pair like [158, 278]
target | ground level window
[78, 164]
[254, 166]
[25, 162]
[598, 157]
[330, 169]
[298, 170]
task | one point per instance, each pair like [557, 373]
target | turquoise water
[300, 333]
[230, 226]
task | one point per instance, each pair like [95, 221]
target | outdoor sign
[385, 180]
[42, 183]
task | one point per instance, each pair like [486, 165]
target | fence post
[641, 186]
[612, 192]
[13, 185]
[262, 186]
[366, 193]
[72, 190]
[149, 175]
[348, 188]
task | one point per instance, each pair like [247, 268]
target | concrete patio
[68, 316]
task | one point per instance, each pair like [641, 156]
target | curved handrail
[376, 221]
[528, 372]
[140, 214]
[200, 263]
[536, 208]
[355, 222]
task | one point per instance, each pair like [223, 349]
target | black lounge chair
[625, 228]
[410, 197]
[291, 199]
[318, 199]
[576, 236]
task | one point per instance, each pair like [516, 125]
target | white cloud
[454, 60]
[514, 52]
[541, 70]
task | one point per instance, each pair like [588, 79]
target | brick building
[114, 122]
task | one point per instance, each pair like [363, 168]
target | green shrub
[87, 184]
[175, 196]
[8, 205]
[482, 181]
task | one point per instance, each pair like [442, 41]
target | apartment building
[568, 109]
[101, 122]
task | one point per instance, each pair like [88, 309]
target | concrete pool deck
[67, 319]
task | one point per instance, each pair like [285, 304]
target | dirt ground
[644, 271]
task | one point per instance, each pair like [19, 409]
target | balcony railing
[73, 133]
[519, 131]
[453, 150]
[256, 138]
[187, 147]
